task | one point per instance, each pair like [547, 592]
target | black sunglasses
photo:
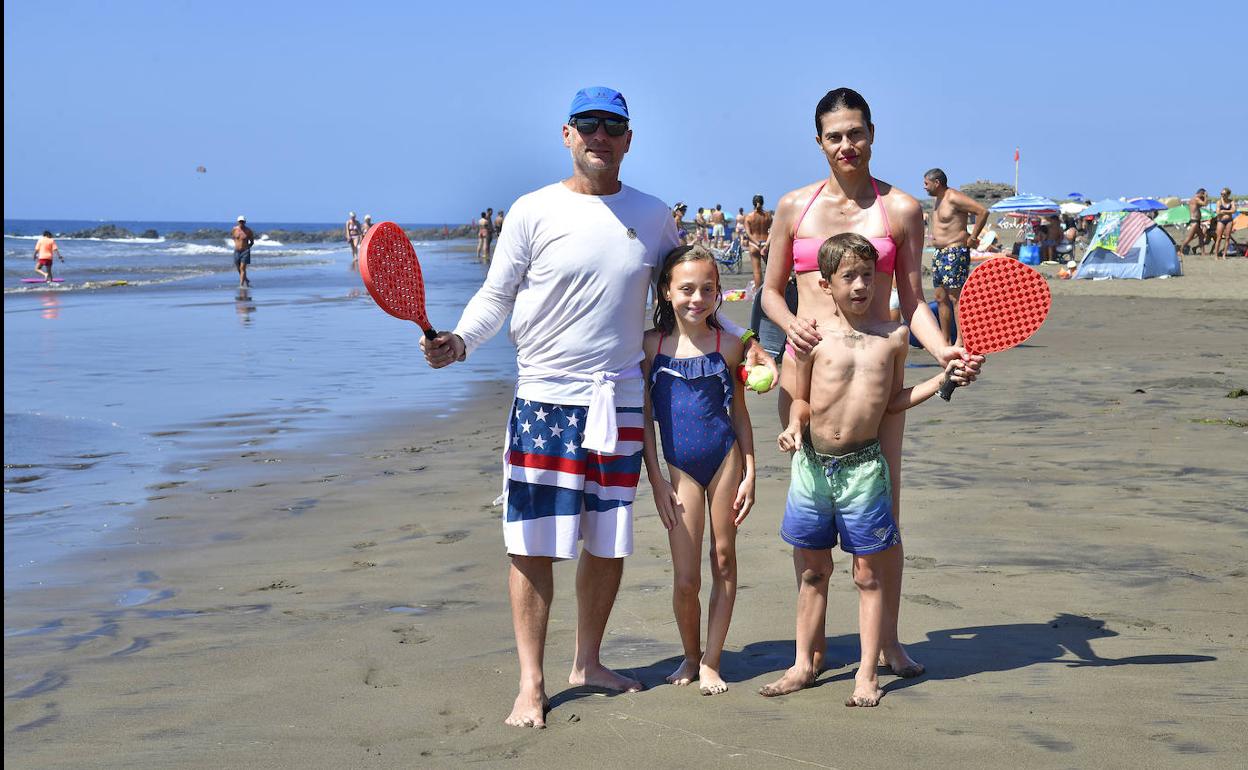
[589, 126]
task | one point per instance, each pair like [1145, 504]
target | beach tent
[1129, 245]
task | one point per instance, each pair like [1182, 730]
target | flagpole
[1016, 171]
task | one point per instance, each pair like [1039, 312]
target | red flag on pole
[1015, 154]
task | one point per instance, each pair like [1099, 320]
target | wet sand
[1076, 542]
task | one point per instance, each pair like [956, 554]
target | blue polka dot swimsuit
[690, 398]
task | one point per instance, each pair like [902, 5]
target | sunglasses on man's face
[589, 126]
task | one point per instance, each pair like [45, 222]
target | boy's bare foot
[711, 682]
[796, 678]
[603, 677]
[897, 661]
[529, 710]
[866, 694]
[686, 673]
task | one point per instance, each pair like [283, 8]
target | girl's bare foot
[600, 676]
[711, 682]
[685, 673]
[796, 678]
[529, 710]
[866, 693]
[895, 659]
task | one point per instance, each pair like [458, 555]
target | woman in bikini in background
[849, 199]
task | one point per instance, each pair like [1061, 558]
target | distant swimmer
[498, 225]
[952, 261]
[354, 234]
[243, 239]
[489, 232]
[45, 250]
[368, 223]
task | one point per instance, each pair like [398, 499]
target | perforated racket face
[1003, 303]
[391, 273]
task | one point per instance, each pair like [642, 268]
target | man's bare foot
[794, 679]
[711, 682]
[604, 678]
[686, 673]
[866, 694]
[529, 710]
[897, 661]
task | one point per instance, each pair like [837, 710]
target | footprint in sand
[453, 537]
[362, 545]
[375, 677]
[359, 565]
[920, 562]
[932, 601]
[277, 585]
[411, 635]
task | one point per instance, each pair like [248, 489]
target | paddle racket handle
[947, 387]
[430, 333]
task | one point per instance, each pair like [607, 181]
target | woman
[1225, 218]
[483, 237]
[849, 199]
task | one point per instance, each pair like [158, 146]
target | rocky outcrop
[103, 231]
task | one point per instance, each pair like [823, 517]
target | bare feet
[866, 694]
[711, 682]
[529, 710]
[604, 678]
[796, 678]
[686, 673]
[897, 661]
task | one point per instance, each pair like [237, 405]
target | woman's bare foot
[686, 673]
[600, 676]
[711, 682]
[529, 710]
[796, 678]
[895, 659]
[866, 693]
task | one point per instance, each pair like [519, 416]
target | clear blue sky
[432, 111]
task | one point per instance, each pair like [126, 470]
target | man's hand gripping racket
[1002, 304]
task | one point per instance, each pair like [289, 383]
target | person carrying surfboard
[45, 250]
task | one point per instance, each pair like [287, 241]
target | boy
[840, 486]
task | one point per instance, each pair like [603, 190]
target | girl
[709, 447]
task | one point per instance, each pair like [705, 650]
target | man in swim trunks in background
[1195, 205]
[243, 239]
[757, 230]
[45, 250]
[573, 271]
[952, 261]
[717, 225]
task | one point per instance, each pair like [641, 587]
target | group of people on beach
[354, 232]
[574, 275]
[1217, 230]
[489, 227]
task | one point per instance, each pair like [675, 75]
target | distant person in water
[483, 240]
[498, 227]
[368, 223]
[243, 239]
[354, 234]
[45, 250]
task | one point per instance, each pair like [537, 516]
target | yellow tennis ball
[760, 379]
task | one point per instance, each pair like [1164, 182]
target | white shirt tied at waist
[600, 431]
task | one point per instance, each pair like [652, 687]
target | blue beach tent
[1152, 254]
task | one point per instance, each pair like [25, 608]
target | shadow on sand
[952, 653]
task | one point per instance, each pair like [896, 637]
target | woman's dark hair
[841, 99]
[664, 313]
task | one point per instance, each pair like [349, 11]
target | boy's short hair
[840, 246]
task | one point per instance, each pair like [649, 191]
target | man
[45, 250]
[952, 262]
[498, 226]
[717, 225]
[574, 270]
[490, 235]
[354, 234]
[243, 239]
[757, 229]
[1195, 206]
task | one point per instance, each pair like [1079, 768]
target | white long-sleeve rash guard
[573, 271]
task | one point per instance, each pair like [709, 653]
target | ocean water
[149, 358]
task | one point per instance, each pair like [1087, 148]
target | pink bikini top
[806, 250]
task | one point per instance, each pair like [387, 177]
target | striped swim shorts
[557, 493]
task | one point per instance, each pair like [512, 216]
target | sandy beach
[1076, 535]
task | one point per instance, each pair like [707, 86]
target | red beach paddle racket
[1002, 304]
[391, 274]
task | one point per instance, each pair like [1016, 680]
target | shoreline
[1074, 550]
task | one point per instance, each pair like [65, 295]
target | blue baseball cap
[599, 98]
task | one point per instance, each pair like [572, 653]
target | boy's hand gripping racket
[391, 274]
[1002, 304]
